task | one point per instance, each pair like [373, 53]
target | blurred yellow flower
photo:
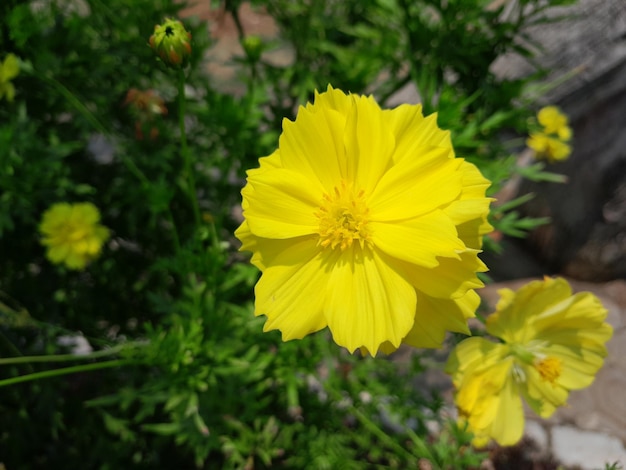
[551, 142]
[363, 221]
[550, 148]
[553, 342]
[9, 69]
[554, 122]
[72, 234]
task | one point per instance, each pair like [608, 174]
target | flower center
[549, 368]
[343, 217]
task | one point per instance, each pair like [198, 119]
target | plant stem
[67, 357]
[188, 171]
[64, 371]
[372, 427]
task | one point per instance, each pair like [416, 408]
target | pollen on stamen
[549, 368]
[343, 218]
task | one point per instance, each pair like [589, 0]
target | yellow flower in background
[550, 148]
[554, 122]
[9, 69]
[553, 342]
[551, 142]
[363, 221]
[72, 234]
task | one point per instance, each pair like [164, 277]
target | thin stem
[67, 357]
[189, 175]
[372, 427]
[422, 448]
[64, 371]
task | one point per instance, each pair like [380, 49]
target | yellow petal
[542, 396]
[368, 303]
[417, 186]
[76, 260]
[86, 212]
[10, 68]
[489, 399]
[57, 254]
[507, 427]
[282, 204]
[368, 143]
[513, 318]
[292, 297]
[313, 145]
[434, 317]
[332, 98]
[419, 241]
[451, 278]
[413, 131]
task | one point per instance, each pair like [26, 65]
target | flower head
[551, 142]
[554, 122]
[553, 342]
[172, 43]
[363, 221]
[9, 69]
[550, 148]
[72, 234]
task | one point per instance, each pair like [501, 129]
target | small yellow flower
[554, 122]
[550, 148]
[72, 234]
[363, 221]
[9, 69]
[553, 342]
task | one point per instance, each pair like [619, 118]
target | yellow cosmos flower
[363, 221]
[554, 122]
[9, 69]
[72, 234]
[550, 148]
[554, 342]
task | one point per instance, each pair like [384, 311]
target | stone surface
[587, 236]
[586, 449]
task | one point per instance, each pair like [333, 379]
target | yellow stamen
[343, 217]
[549, 368]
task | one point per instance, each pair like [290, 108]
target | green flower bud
[172, 43]
[253, 46]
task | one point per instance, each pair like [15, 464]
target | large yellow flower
[364, 221]
[72, 234]
[554, 342]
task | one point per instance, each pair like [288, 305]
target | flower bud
[253, 46]
[172, 43]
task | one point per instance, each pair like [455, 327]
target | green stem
[66, 357]
[372, 427]
[189, 175]
[64, 371]
[418, 442]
